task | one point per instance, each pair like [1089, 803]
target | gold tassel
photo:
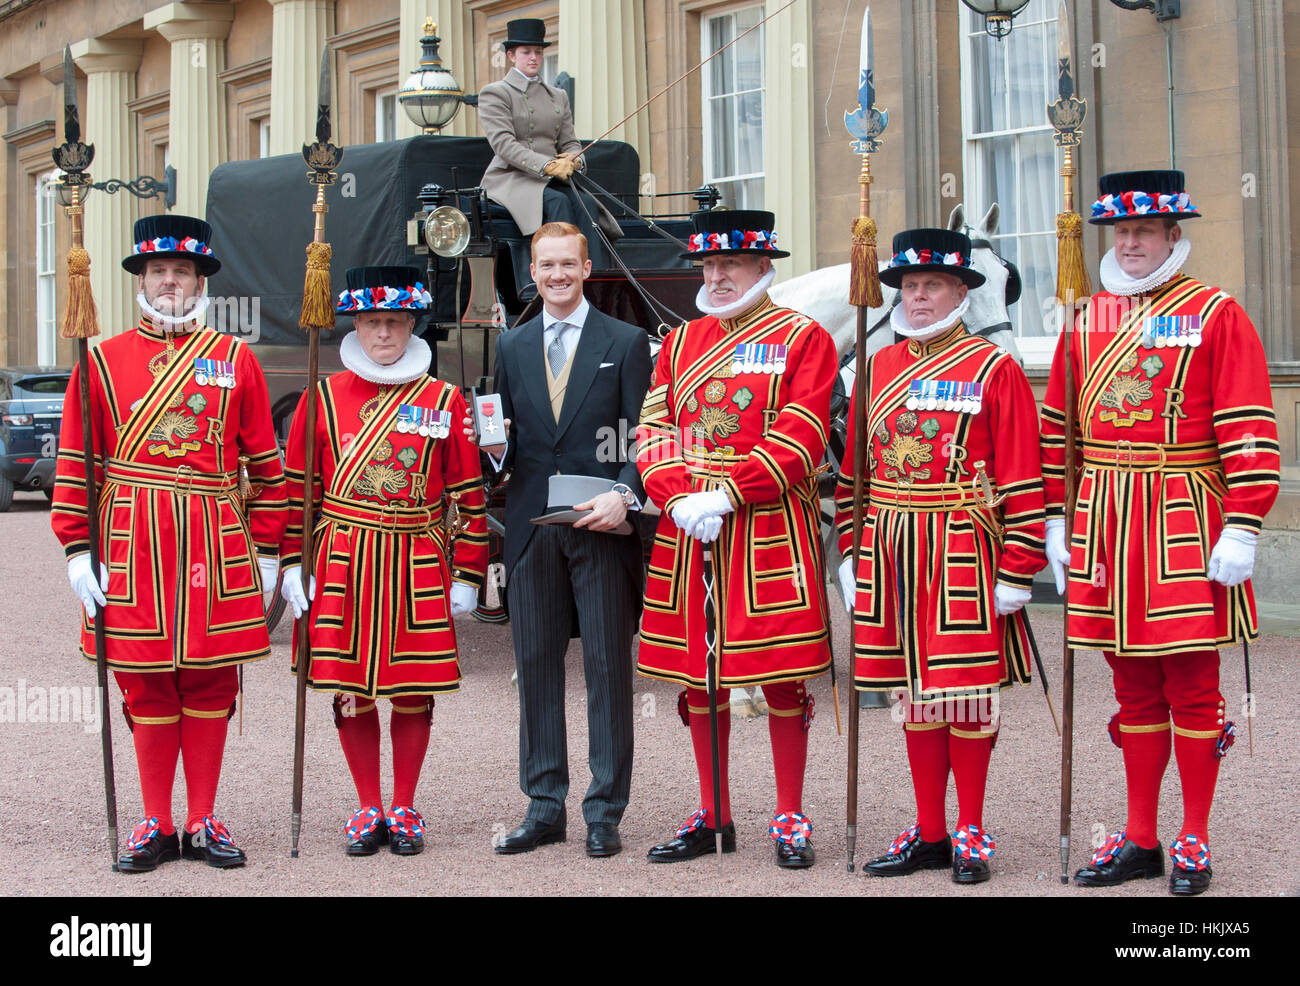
[317, 297]
[864, 275]
[1071, 274]
[80, 319]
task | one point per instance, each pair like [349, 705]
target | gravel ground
[51, 800]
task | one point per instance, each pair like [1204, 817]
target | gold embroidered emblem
[715, 391]
[716, 422]
[377, 480]
[368, 409]
[173, 427]
[384, 450]
[1126, 391]
[692, 405]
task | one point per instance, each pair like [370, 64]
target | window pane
[733, 105]
[1028, 74]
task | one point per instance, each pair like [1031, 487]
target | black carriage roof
[261, 216]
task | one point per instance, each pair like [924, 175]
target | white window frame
[380, 96]
[711, 177]
[47, 194]
[1036, 350]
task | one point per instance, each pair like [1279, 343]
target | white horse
[824, 294]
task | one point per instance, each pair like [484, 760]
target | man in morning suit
[567, 379]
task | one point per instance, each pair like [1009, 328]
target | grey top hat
[562, 492]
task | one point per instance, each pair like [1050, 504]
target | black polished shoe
[1189, 883]
[530, 835]
[969, 870]
[908, 854]
[692, 842]
[1118, 860]
[603, 840]
[367, 831]
[148, 848]
[790, 858]
[212, 844]
[405, 831]
[1191, 871]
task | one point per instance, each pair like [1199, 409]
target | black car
[31, 409]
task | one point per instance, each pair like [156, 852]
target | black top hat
[943, 250]
[525, 31]
[172, 236]
[389, 289]
[723, 232]
[1141, 195]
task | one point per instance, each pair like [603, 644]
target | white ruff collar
[898, 322]
[1114, 280]
[411, 365]
[188, 322]
[746, 302]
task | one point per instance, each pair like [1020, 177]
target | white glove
[269, 566]
[1007, 599]
[83, 582]
[464, 598]
[848, 584]
[707, 530]
[695, 507]
[291, 590]
[1058, 553]
[1233, 558]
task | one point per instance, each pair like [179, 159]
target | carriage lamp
[997, 14]
[431, 95]
[446, 231]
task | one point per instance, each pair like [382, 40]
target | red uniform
[931, 552]
[183, 585]
[381, 622]
[1176, 443]
[173, 418]
[741, 405]
[759, 432]
[943, 414]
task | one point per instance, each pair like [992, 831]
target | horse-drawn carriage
[395, 200]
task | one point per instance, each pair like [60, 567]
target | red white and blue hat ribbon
[413, 297]
[971, 842]
[170, 244]
[913, 257]
[736, 239]
[791, 828]
[1190, 853]
[1126, 205]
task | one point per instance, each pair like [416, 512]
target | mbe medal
[489, 419]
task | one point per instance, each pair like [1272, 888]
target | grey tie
[555, 354]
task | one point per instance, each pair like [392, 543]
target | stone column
[110, 66]
[602, 45]
[455, 27]
[197, 121]
[298, 33]
[788, 167]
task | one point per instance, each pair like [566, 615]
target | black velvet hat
[1141, 195]
[391, 288]
[730, 232]
[172, 236]
[944, 250]
[525, 31]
